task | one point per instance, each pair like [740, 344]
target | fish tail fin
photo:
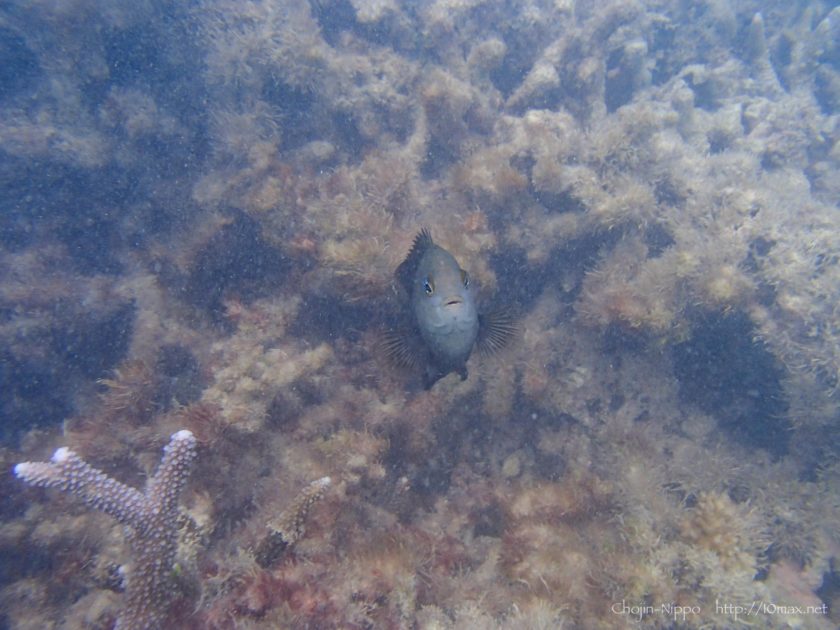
[432, 375]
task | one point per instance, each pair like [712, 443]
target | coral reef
[203, 208]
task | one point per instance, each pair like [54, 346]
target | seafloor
[203, 204]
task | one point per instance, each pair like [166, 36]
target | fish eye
[465, 278]
[429, 285]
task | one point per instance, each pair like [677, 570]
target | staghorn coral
[151, 519]
[290, 524]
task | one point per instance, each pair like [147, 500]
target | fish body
[446, 324]
[443, 304]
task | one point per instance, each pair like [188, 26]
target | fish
[445, 322]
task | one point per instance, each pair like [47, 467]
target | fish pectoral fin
[403, 347]
[495, 330]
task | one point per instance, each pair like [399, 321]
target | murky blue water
[202, 206]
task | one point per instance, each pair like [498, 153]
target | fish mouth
[453, 301]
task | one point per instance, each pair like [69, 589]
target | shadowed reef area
[202, 206]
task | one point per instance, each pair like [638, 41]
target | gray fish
[446, 324]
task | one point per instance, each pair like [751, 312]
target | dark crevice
[726, 372]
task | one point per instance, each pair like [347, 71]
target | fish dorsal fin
[405, 272]
[495, 329]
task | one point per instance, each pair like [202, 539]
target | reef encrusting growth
[202, 216]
